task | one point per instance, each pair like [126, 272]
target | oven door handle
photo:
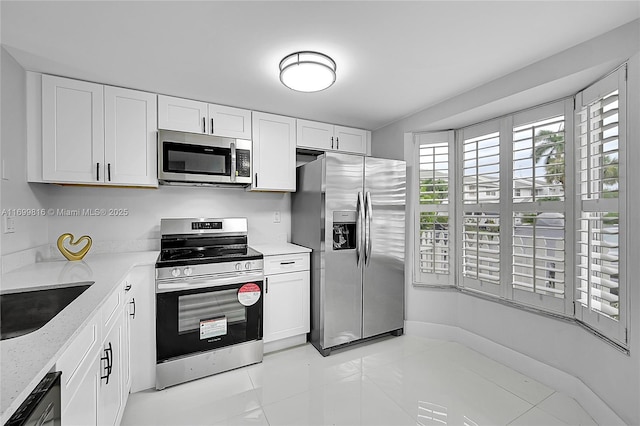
[209, 281]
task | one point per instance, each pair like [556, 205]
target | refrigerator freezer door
[342, 283]
[383, 286]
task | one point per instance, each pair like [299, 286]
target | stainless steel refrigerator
[350, 210]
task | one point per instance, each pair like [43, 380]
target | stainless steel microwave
[203, 159]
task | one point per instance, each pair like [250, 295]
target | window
[480, 210]
[538, 216]
[538, 210]
[600, 218]
[434, 241]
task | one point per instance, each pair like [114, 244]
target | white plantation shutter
[540, 174]
[434, 206]
[480, 215]
[601, 282]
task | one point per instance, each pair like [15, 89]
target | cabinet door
[110, 394]
[130, 137]
[229, 122]
[286, 305]
[274, 152]
[72, 130]
[127, 320]
[351, 140]
[143, 331]
[314, 135]
[183, 115]
[82, 407]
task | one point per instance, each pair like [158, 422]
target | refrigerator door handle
[359, 230]
[367, 227]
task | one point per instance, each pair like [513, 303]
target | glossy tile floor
[392, 381]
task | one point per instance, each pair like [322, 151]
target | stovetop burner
[199, 241]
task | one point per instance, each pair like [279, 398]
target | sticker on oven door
[249, 294]
[213, 327]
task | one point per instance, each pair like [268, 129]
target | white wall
[147, 206]
[31, 231]
[612, 375]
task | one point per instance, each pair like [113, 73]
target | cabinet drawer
[286, 263]
[111, 308]
[78, 359]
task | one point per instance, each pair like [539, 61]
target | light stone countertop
[26, 359]
[276, 249]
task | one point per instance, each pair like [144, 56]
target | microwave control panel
[243, 163]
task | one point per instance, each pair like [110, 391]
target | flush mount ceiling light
[307, 71]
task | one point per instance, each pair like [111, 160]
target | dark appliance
[208, 299]
[42, 407]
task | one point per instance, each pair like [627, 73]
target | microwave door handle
[232, 172]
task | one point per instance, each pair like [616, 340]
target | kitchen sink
[22, 312]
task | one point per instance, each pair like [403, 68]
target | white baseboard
[544, 373]
[277, 345]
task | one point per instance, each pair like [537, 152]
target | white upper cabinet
[72, 130]
[186, 115]
[94, 134]
[130, 136]
[229, 122]
[350, 140]
[182, 115]
[274, 152]
[313, 134]
[327, 137]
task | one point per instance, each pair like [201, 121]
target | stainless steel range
[209, 285]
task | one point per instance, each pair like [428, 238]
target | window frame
[468, 133]
[539, 113]
[616, 330]
[426, 278]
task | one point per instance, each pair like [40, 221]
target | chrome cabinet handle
[337, 142]
[204, 125]
[212, 126]
[133, 302]
[127, 287]
[331, 142]
[97, 171]
[109, 172]
[288, 263]
[266, 285]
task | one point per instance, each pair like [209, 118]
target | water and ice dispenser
[344, 230]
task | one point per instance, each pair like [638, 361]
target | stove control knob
[247, 265]
[175, 272]
[238, 266]
[187, 271]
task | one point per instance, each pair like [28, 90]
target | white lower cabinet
[142, 320]
[99, 366]
[286, 301]
[110, 397]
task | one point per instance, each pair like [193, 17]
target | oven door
[198, 315]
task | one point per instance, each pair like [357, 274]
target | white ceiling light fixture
[307, 71]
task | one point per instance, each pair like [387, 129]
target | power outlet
[276, 217]
[8, 224]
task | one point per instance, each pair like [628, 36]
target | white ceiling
[394, 58]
